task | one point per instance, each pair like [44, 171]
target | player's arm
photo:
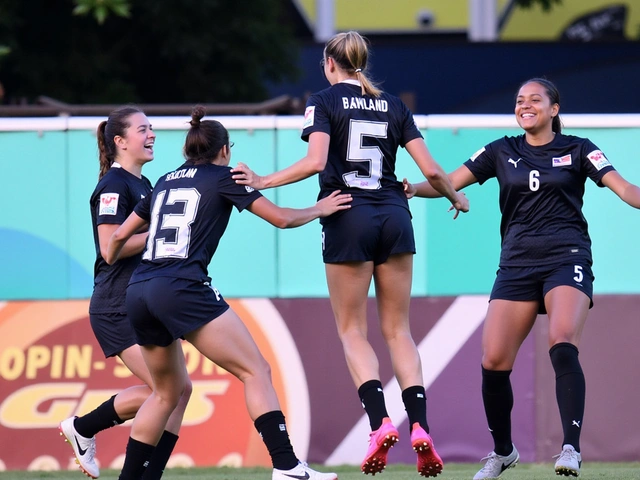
[314, 162]
[627, 191]
[134, 246]
[294, 217]
[459, 178]
[119, 238]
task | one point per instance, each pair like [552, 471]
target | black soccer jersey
[113, 199]
[365, 134]
[541, 191]
[188, 213]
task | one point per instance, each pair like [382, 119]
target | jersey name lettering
[360, 103]
[184, 173]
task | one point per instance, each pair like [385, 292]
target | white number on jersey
[179, 222]
[534, 182]
[356, 152]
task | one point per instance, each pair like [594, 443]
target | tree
[163, 52]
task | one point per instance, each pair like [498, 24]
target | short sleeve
[113, 203]
[482, 164]
[316, 118]
[410, 130]
[595, 162]
[143, 208]
[241, 196]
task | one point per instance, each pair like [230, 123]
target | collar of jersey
[351, 81]
[116, 165]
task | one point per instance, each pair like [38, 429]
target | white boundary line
[271, 122]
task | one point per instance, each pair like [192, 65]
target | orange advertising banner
[51, 367]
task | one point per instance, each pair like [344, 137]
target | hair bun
[196, 115]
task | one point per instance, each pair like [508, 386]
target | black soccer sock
[497, 397]
[372, 399]
[98, 419]
[160, 456]
[272, 428]
[415, 403]
[570, 391]
[136, 460]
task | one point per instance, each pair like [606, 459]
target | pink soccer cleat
[429, 462]
[380, 442]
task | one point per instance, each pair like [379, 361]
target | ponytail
[350, 51]
[105, 160]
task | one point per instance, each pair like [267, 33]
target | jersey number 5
[357, 152]
[178, 223]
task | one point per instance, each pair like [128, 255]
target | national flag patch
[598, 159]
[108, 204]
[309, 116]
[561, 161]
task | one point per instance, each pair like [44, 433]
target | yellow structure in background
[452, 16]
[536, 24]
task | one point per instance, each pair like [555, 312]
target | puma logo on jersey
[515, 162]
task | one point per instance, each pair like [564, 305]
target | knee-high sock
[570, 391]
[497, 397]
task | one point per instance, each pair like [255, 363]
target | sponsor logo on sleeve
[309, 114]
[563, 161]
[109, 204]
[598, 159]
[477, 154]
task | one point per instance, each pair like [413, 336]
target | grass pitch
[452, 471]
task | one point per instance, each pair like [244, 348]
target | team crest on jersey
[309, 115]
[477, 154]
[598, 159]
[561, 161]
[109, 203]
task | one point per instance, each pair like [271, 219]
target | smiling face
[137, 143]
[534, 110]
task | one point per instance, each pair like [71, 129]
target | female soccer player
[125, 143]
[170, 294]
[354, 131]
[545, 261]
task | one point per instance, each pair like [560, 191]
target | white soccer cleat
[84, 448]
[302, 472]
[496, 464]
[569, 462]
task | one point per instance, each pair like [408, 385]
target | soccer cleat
[84, 449]
[302, 471]
[569, 462]
[380, 442]
[496, 464]
[429, 462]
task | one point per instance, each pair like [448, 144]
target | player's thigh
[227, 342]
[506, 326]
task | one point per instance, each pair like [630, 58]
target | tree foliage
[164, 51]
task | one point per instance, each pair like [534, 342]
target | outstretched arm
[119, 238]
[294, 217]
[435, 175]
[314, 162]
[627, 191]
[459, 178]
